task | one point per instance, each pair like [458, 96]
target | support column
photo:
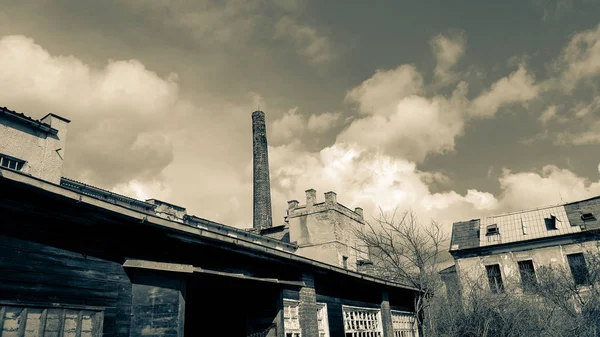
[386, 315]
[308, 307]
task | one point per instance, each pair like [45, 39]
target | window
[322, 320]
[551, 222]
[345, 261]
[362, 322]
[404, 324]
[528, 279]
[492, 230]
[495, 278]
[291, 319]
[11, 162]
[49, 322]
[578, 268]
[588, 217]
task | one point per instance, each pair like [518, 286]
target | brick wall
[308, 307]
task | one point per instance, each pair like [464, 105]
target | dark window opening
[345, 261]
[495, 278]
[588, 217]
[551, 222]
[527, 271]
[492, 230]
[578, 268]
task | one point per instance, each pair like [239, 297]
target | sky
[454, 109]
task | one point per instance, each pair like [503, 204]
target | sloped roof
[525, 225]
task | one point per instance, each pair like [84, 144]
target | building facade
[77, 260]
[508, 249]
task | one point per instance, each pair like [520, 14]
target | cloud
[417, 127]
[580, 59]
[447, 51]
[518, 87]
[551, 186]
[292, 125]
[122, 113]
[309, 42]
[548, 114]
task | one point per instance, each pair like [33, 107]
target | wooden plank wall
[33, 273]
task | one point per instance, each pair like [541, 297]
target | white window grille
[362, 322]
[322, 320]
[46, 322]
[291, 319]
[11, 162]
[404, 324]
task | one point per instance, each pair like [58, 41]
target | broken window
[11, 162]
[551, 222]
[492, 229]
[528, 279]
[359, 322]
[291, 319]
[495, 278]
[404, 324]
[322, 320]
[578, 268]
[49, 322]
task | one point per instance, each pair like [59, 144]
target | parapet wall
[324, 231]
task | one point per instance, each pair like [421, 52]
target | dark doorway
[226, 306]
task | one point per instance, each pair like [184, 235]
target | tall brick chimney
[262, 185]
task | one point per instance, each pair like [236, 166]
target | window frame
[354, 328]
[404, 331]
[495, 280]
[579, 271]
[528, 275]
[18, 163]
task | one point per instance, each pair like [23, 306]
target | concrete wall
[324, 231]
[43, 151]
[472, 269]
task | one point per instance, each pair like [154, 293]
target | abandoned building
[77, 260]
[507, 249]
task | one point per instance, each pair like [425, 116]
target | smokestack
[262, 185]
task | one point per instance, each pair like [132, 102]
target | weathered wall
[325, 231]
[43, 151]
[472, 269]
[32, 273]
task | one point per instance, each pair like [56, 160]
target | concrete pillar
[308, 307]
[386, 315]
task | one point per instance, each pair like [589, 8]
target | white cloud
[418, 126]
[122, 114]
[292, 125]
[447, 50]
[551, 186]
[548, 114]
[580, 59]
[323, 122]
[309, 41]
[380, 94]
[518, 87]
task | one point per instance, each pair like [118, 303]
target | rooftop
[30, 121]
[526, 225]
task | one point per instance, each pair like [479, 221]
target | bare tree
[404, 250]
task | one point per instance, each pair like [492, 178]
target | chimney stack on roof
[262, 185]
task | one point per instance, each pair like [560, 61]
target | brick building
[78, 260]
[507, 249]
